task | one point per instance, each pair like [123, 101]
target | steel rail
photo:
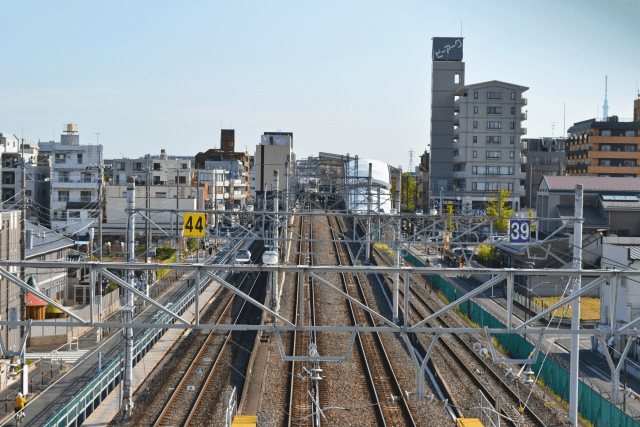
[389, 416]
[533, 418]
[197, 405]
[210, 336]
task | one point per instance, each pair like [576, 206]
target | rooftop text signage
[447, 49]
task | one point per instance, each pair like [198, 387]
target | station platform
[110, 407]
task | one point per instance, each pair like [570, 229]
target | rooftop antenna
[605, 106]
[553, 128]
[97, 138]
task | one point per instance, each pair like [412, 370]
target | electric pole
[100, 218]
[127, 398]
[23, 257]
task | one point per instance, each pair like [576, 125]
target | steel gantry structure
[425, 227]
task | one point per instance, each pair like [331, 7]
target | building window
[475, 110]
[513, 95]
[630, 147]
[623, 233]
[63, 176]
[493, 154]
[8, 178]
[475, 95]
[160, 195]
[494, 95]
[182, 180]
[138, 166]
[156, 166]
[494, 110]
[511, 153]
[120, 166]
[183, 165]
[513, 110]
[475, 125]
[63, 196]
[493, 140]
[61, 158]
[513, 125]
[630, 133]
[475, 139]
[494, 125]
[511, 140]
[27, 193]
[605, 133]
[79, 157]
[492, 170]
[85, 196]
[475, 154]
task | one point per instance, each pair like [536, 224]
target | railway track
[185, 406]
[467, 367]
[392, 407]
[301, 409]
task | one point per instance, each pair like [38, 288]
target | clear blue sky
[342, 76]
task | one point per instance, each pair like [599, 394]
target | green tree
[192, 244]
[532, 227]
[497, 210]
[164, 252]
[448, 209]
[409, 191]
[486, 252]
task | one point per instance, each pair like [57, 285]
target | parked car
[419, 212]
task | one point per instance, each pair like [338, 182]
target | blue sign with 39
[519, 231]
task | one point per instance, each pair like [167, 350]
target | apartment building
[227, 179]
[487, 146]
[274, 152]
[37, 170]
[75, 181]
[447, 76]
[9, 293]
[545, 157]
[227, 153]
[162, 171]
[607, 148]
[163, 199]
[9, 143]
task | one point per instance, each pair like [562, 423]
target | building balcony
[522, 131]
[523, 101]
[523, 116]
[456, 118]
[456, 133]
[76, 183]
[460, 174]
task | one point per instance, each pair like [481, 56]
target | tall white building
[75, 181]
[487, 146]
[273, 153]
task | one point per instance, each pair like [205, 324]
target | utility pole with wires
[23, 257]
[100, 243]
